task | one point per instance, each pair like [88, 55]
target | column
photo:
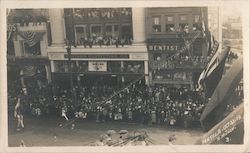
[48, 73]
[138, 20]
[43, 45]
[56, 17]
[18, 48]
[122, 66]
[146, 72]
[52, 66]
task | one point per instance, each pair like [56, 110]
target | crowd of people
[136, 103]
[107, 13]
[25, 20]
[103, 41]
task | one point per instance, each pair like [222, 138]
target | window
[79, 13]
[80, 33]
[126, 31]
[170, 27]
[196, 18]
[96, 31]
[196, 22]
[157, 57]
[183, 23]
[156, 24]
[112, 30]
[108, 30]
[32, 50]
[183, 18]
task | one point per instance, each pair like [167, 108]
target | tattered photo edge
[241, 4]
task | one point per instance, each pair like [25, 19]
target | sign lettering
[163, 47]
[11, 27]
[126, 56]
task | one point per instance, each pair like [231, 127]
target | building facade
[109, 45]
[176, 45]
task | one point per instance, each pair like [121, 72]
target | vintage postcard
[125, 76]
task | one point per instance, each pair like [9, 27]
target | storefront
[98, 68]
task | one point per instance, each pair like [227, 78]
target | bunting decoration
[31, 37]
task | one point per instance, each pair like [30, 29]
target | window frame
[79, 26]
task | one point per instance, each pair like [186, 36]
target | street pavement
[49, 132]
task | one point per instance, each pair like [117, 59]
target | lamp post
[70, 70]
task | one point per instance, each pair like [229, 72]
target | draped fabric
[31, 37]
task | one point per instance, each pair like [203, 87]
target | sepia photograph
[125, 76]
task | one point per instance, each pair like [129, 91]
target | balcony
[101, 14]
[32, 27]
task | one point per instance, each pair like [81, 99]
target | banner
[97, 66]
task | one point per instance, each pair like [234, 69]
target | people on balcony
[103, 41]
[105, 13]
[25, 20]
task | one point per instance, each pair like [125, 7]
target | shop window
[134, 67]
[59, 66]
[157, 56]
[170, 26]
[156, 24]
[83, 66]
[80, 33]
[114, 66]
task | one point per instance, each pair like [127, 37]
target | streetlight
[70, 70]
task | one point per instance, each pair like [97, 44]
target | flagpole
[220, 29]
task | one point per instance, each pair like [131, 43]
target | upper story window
[183, 22]
[96, 31]
[196, 22]
[80, 33]
[79, 13]
[156, 24]
[170, 25]
[112, 30]
[30, 50]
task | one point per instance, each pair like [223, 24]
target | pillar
[18, 48]
[146, 72]
[48, 73]
[52, 66]
[56, 18]
[122, 66]
[138, 20]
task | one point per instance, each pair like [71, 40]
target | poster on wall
[97, 66]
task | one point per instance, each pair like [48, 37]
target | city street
[41, 132]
